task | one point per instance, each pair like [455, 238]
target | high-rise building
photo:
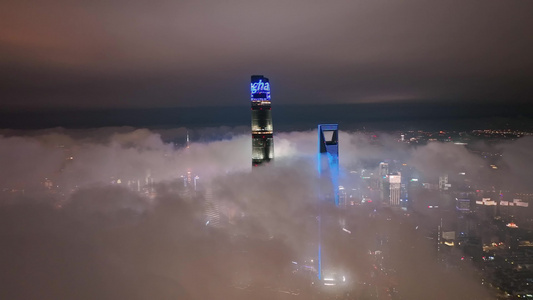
[443, 182]
[262, 129]
[383, 169]
[395, 189]
[212, 207]
[383, 181]
[328, 171]
[328, 160]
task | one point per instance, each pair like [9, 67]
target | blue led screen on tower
[260, 88]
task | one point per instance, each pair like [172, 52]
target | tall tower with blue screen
[262, 129]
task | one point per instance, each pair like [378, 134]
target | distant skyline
[137, 54]
[372, 116]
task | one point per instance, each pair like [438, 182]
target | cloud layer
[96, 238]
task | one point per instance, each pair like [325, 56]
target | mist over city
[116, 213]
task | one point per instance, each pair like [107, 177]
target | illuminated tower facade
[328, 172]
[328, 159]
[262, 140]
[395, 181]
[384, 180]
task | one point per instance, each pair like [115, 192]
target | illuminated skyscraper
[328, 160]
[443, 182]
[262, 141]
[395, 189]
[383, 170]
[328, 171]
[212, 208]
[384, 181]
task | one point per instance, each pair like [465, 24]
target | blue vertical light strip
[319, 169]
[327, 150]
[333, 161]
[319, 248]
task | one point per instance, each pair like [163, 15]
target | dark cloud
[183, 53]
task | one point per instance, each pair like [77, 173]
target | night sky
[143, 54]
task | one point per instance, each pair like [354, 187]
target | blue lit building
[262, 129]
[328, 160]
[328, 172]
